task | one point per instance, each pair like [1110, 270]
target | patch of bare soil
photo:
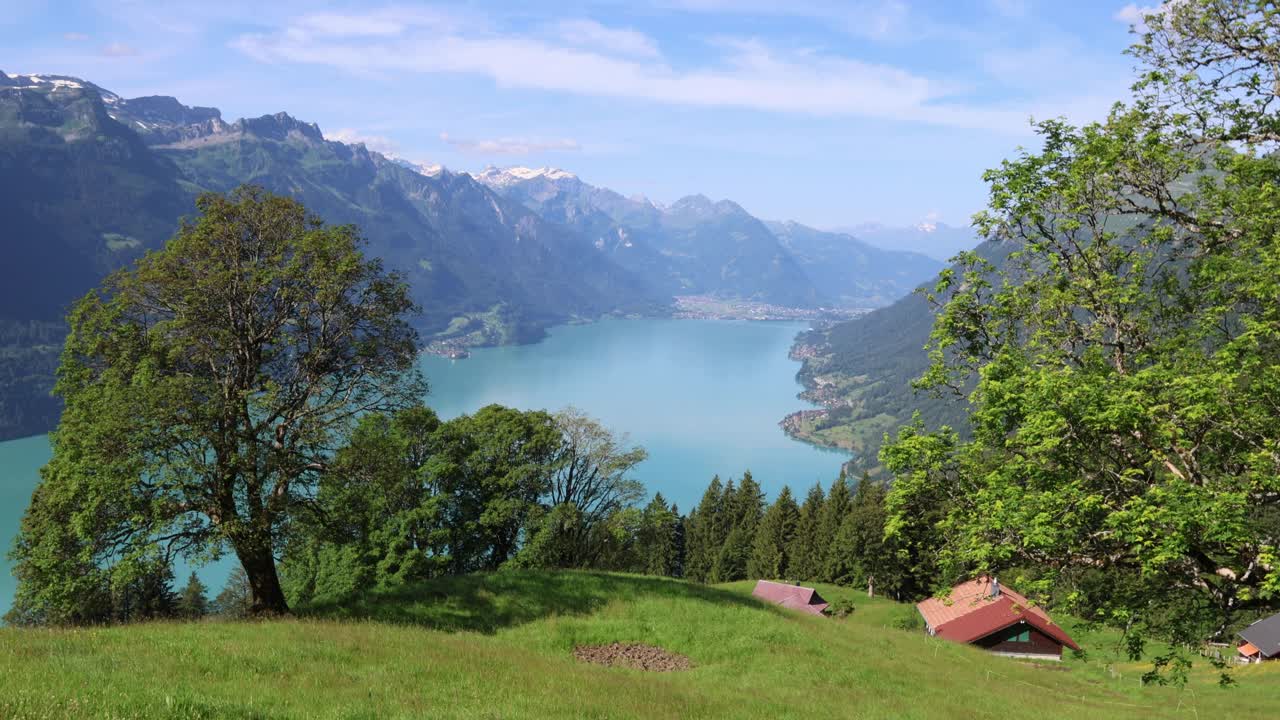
[633, 655]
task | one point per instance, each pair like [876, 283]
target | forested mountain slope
[861, 371]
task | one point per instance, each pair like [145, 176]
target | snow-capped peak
[927, 226]
[56, 82]
[427, 169]
[507, 176]
[525, 173]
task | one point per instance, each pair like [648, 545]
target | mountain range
[92, 180]
[937, 240]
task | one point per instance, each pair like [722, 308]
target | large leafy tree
[591, 472]
[1128, 355]
[205, 390]
[492, 467]
[379, 514]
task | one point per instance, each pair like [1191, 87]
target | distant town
[711, 307]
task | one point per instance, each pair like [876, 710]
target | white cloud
[877, 19]
[1134, 14]
[592, 35]
[386, 22]
[747, 74]
[75, 36]
[118, 50]
[376, 143]
[511, 146]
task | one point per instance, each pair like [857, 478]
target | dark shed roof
[1264, 635]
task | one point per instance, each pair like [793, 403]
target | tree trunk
[266, 595]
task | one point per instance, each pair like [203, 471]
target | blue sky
[830, 113]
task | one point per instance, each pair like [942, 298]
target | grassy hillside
[500, 646]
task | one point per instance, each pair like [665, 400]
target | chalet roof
[970, 611]
[794, 597]
[1264, 634]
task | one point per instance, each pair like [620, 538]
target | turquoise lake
[704, 397]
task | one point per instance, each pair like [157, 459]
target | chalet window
[1022, 637]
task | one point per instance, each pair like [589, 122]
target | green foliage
[1127, 356]
[658, 544]
[193, 599]
[774, 538]
[840, 608]
[410, 497]
[202, 389]
[743, 510]
[804, 554]
[591, 472]
[834, 511]
[860, 555]
[705, 533]
[908, 619]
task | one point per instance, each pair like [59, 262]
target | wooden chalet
[981, 612]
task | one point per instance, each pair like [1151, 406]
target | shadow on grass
[488, 602]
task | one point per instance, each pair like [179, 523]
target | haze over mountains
[93, 180]
[938, 240]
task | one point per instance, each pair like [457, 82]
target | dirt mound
[639, 657]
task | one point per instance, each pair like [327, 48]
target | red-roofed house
[790, 596]
[983, 613]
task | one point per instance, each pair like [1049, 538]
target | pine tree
[681, 531]
[656, 549]
[834, 511]
[804, 554]
[702, 533]
[732, 563]
[193, 600]
[773, 537]
[745, 508]
[859, 553]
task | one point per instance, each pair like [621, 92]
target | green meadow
[500, 646]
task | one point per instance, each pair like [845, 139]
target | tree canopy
[206, 389]
[1127, 355]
